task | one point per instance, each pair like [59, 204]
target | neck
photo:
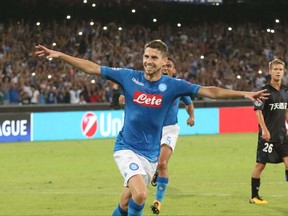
[276, 84]
[153, 77]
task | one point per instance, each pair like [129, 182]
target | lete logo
[150, 100]
[89, 124]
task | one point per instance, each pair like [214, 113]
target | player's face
[168, 68]
[277, 72]
[152, 62]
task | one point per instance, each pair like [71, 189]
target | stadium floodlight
[178, 24]
[208, 2]
[133, 11]
[68, 17]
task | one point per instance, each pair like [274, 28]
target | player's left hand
[121, 99]
[190, 121]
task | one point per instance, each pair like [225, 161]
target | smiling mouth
[149, 68]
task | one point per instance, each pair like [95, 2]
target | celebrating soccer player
[148, 96]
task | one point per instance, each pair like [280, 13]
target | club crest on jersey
[150, 100]
[162, 87]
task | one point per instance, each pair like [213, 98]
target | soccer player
[272, 140]
[169, 138]
[147, 100]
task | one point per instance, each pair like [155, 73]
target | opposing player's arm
[190, 110]
[82, 64]
[221, 93]
[261, 122]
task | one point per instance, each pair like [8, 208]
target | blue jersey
[146, 105]
[171, 116]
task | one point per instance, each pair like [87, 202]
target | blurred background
[227, 43]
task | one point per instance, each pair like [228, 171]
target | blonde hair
[276, 61]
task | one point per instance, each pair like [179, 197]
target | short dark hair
[159, 45]
[170, 59]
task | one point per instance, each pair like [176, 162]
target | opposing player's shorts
[271, 152]
[130, 164]
[170, 135]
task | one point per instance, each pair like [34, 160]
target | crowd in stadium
[206, 54]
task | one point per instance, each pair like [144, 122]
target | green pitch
[209, 175]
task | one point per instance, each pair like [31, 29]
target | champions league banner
[107, 124]
[80, 125]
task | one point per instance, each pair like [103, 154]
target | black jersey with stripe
[273, 110]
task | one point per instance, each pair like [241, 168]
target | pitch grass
[209, 175]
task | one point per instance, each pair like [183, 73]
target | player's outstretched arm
[82, 64]
[221, 93]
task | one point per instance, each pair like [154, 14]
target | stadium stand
[227, 54]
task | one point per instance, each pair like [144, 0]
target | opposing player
[147, 100]
[272, 139]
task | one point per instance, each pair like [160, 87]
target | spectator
[75, 94]
[51, 97]
[25, 98]
[14, 94]
[82, 99]
[35, 99]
